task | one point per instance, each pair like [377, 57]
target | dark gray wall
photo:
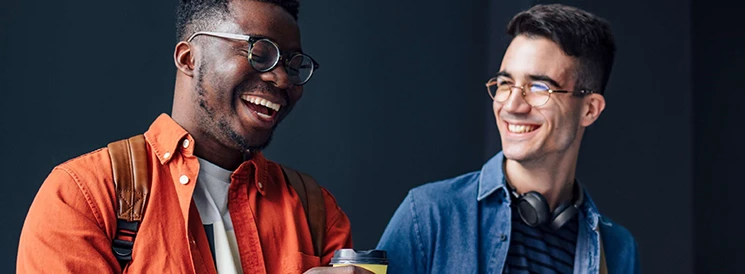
[399, 101]
[719, 55]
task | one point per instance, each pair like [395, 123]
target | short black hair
[580, 34]
[199, 14]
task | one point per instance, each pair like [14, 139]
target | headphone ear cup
[566, 211]
[533, 209]
[562, 215]
[559, 209]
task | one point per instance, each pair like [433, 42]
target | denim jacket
[463, 224]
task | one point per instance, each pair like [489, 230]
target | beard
[240, 141]
[218, 126]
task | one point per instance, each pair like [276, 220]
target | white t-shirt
[211, 198]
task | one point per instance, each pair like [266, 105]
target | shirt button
[261, 186]
[184, 179]
[166, 155]
[186, 143]
[503, 237]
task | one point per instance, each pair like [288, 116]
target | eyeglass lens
[537, 94]
[265, 55]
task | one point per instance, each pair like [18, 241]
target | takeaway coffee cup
[373, 260]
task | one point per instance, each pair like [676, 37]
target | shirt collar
[491, 179]
[256, 166]
[592, 214]
[164, 137]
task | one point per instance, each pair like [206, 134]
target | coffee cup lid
[351, 256]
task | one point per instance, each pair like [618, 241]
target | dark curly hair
[580, 34]
[200, 14]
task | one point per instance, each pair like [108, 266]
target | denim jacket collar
[491, 180]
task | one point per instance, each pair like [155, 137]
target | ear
[183, 56]
[594, 104]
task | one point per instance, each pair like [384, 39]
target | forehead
[266, 20]
[537, 56]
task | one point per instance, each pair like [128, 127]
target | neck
[552, 176]
[224, 157]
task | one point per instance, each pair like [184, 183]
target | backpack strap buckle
[124, 240]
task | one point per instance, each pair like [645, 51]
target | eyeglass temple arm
[580, 92]
[221, 34]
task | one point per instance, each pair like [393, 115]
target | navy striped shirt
[541, 249]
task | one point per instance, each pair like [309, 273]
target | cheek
[295, 94]
[495, 107]
[564, 125]
[230, 71]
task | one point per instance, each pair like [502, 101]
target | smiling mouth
[264, 108]
[515, 128]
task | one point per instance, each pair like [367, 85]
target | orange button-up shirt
[72, 221]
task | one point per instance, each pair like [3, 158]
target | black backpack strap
[132, 182]
[311, 196]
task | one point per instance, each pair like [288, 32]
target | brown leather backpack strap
[293, 177]
[317, 209]
[131, 176]
[132, 182]
[311, 196]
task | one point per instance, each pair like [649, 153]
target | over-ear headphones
[534, 210]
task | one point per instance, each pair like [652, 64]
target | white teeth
[261, 101]
[521, 128]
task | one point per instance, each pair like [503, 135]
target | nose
[278, 76]
[516, 102]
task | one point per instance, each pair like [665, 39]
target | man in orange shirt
[215, 203]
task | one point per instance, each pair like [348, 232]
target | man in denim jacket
[524, 212]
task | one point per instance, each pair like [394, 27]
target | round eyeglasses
[536, 94]
[264, 55]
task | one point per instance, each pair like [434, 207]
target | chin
[245, 140]
[257, 144]
[517, 153]
[260, 140]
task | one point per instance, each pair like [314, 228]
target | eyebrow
[545, 79]
[533, 77]
[503, 74]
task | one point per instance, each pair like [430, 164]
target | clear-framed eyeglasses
[264, 55]
[536, 93]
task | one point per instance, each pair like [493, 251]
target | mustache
[261, 87]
